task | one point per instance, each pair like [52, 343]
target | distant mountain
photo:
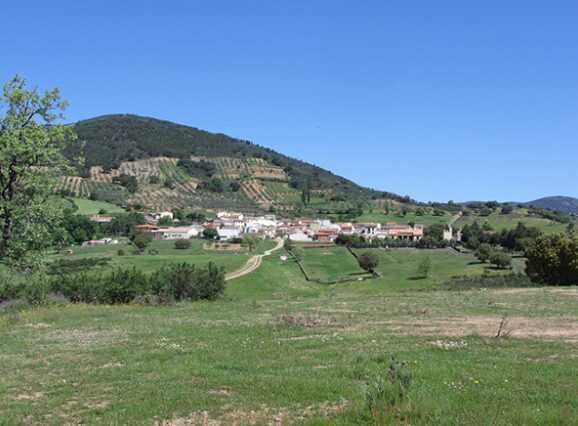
[564, 204]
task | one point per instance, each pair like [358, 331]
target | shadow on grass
[417, 278]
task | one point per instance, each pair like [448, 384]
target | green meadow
[500, 221]
[92, 207]
[159, 253]
[331, 264]
[277, 349]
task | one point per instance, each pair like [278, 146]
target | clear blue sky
[435, 99]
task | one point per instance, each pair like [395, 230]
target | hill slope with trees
[169, 159]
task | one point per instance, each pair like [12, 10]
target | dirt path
[455, 218]
[253, 263]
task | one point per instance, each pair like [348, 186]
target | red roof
[109, 218]
[304, 219]
[147, 226]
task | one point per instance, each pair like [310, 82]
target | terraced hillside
[262, 184]
[147, 148]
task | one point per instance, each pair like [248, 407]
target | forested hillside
[157, 163]
[112, 139]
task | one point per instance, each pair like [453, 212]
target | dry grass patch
[265, 415]
[547, 328]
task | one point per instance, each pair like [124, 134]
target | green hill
[177, 166]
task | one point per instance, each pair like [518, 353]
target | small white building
[300, 235]
[448, 234]
[176, 233]
[228, 233]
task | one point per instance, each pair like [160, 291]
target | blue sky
[437, 100]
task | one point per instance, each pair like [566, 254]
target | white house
[299, 235]
[176, 233]
[228, 233]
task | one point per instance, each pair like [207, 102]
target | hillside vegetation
[177, 166]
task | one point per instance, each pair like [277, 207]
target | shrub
[182, 244]
[387, 397]
[37, 291]
[11, 288]
[122, 286]
[14, 305]
[185, 281]
[120, 252]
[81, 287]
[65, 266]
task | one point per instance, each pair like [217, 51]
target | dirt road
[253, 263]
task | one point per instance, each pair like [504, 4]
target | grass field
[399, 268]
[90, 207]
[330, 264]
[277, 349]
[500, 221]
[166, 253]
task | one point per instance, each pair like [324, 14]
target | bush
[65, 266]
[182, 244]
[122, 286]
[11, 289]
[185, 281]
[172, 282]
[120, 252]
[14, 305]
[387, 397]
[37, 291]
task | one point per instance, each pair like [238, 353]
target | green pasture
[500, 221]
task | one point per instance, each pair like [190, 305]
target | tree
[553, 259]
[435, 231]
[368, 261]
[234, 186]
[288, 244]
[483, 252]
[79, 228]
[210, 233]
[141, 240]
[165, 221]
[251, 241]
[507, 209]
[128, 181]
[31, 158]
[424, 266]
[298, 253]
[501, 260]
